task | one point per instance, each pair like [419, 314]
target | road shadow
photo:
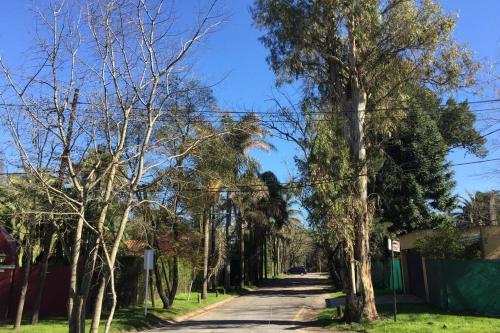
[229, 325]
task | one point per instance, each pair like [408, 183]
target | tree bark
[206, 244]
[159, 285]
[96, 317]
[227, 263]
[261, 258]
[175, 273]
[152, 291]
[241, 239]
[110, 262]
[265, 258]
[213, 238]
[175, 280]
[73, 279]
[43, 274]
[278, 258]
[493, 209]
[79, 297]
[360, 303]
[24, 289]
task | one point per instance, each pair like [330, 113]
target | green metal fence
[382, 277]
[468, 286]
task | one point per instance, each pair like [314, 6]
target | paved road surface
[288, 305]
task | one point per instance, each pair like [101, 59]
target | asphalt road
[287, 305]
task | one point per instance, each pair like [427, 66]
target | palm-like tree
[243, 135]
[477, 209]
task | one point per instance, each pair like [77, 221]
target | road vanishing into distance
[286, 305]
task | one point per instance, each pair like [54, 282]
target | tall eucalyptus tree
[355, 58]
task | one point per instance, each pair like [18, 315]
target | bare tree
[120, 57]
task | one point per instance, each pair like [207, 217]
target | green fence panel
[382, 275]
[471, 286]
[398, 278]
[436, 282]
[378, 275]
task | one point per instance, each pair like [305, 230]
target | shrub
[447, 243]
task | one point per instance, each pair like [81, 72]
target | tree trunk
[73, 279]
[96, 317]
[360, 303]
[43, 274]
[493, 209]
[77, 315]
[172, 292]
[175, 280]
[206, 244]
[241, 239]
[175, 273]
[152, 291]
[265, 257]
[159, 285]
[110, 263]
[278, 259]
[275, 256]
[261, 258]
[24, 289]
[79, 299]
[227, 263]
[213, 238]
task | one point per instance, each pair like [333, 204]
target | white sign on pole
[149, 255]
[396, 246]
[393, 245]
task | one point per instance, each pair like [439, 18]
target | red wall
[55, 292]
[5, 282]
[8, 247]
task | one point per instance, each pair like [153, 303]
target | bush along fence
[382, 275]
[467, 286]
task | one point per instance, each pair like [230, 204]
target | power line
[314, 120]
[263, 187]
[485, 101]
[491, 132]
[268, 122]
[380, 109]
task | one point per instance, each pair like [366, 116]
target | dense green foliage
[448, 243]
[414, 181]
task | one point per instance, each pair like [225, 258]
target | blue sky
[234, 56]
[236, 52]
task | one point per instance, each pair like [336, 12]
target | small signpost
[149, 255]
[394, 246]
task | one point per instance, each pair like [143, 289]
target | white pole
[146, 294]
